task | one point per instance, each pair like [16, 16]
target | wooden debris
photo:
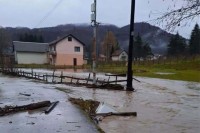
[51, 107]
[28, 95]
[13, 109]
[137, 80]
[116, 114]
[89, 106]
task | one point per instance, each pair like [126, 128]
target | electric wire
[49, 13]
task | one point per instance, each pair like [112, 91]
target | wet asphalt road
[65, 118]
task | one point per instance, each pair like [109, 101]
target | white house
[30, 52]
[120, 55]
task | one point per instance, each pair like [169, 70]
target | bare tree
[180, 16]
[109, 45]
[5, 44]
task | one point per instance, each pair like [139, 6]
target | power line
[49, 13]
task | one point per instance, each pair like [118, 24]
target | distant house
[67, 50]
[120, 55]
[30, 52]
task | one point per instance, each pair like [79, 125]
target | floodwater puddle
[164, 73]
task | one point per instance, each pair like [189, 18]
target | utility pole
[94, 24]
[130, 53]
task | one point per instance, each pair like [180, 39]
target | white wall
[31, 58]
[115, 58]
[123, 54]
[120, 57]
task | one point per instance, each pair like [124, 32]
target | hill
[156, 37]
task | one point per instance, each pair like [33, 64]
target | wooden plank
[13, 109]
[117, 114]
[51, 107]
[121, 75]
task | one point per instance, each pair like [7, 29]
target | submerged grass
[182, 70]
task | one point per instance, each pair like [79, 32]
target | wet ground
[163, 106]
[65, 118]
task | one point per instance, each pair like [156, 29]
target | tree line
[178, 45]
[28, 37]
[141, 49]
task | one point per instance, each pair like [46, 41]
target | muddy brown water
[163, 106]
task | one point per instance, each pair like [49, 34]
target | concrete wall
[31, 58]
[65, 52]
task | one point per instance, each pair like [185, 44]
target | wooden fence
[66, 79]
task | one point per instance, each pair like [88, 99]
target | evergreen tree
[31, 38]
[146, 50]
[26, 37]
[194, 45]
[35, 38]
[40, 39]
[176, 46]
[138, 47]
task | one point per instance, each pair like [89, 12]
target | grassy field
[179, 69]
[187, 70]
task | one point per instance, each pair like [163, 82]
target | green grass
[183, 70]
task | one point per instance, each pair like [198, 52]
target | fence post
[61, 76]
[46, 78]
[88, 78]
[53, 76]
[71, 79]
[32, 72]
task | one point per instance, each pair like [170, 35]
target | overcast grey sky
[30, 13]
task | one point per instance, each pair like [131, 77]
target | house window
[77, 49]
[69, 38]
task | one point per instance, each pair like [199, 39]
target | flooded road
[166, 106]
[163, 106]
[64, 118]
